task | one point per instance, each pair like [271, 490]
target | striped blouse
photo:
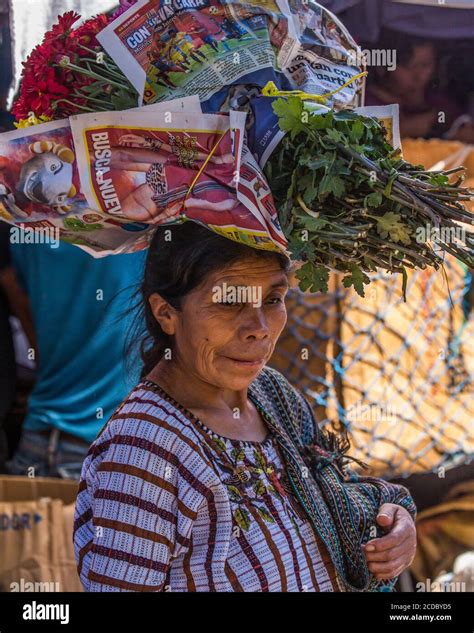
[166, 504]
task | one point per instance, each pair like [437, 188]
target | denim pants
[49, 455]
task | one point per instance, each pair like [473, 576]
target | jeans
[48, 456]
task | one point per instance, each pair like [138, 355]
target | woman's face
[228, 327]
[416, 74]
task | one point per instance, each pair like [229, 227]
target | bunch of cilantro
[347, 200]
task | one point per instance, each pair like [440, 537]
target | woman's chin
[239, 371]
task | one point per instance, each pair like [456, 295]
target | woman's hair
[180, 257]
[404, 45]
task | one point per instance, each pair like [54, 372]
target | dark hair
[180, 257]
[403, 43]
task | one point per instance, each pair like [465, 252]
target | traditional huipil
[167, 504]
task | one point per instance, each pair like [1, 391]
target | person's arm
[134, 158]
[144, 142]
[417, 125]
[19, 303]
[143, 509]
[394, 547]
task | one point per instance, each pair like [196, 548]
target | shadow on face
[228, 326]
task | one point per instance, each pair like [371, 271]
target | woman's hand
[389, 555]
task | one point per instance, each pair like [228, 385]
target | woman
[424, 111]
[213, 475]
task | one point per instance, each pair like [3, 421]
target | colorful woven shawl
[342, 505]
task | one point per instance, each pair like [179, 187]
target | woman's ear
[164, 313]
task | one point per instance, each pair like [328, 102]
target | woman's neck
[194, 393]
[215, 407]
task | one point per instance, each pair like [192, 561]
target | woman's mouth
[247, 363]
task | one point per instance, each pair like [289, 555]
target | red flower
[39, 93]
[20, 108]
[46, 79]
[40, 58]
[86, 33]
[63, 28]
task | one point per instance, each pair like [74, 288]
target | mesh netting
[397, 376]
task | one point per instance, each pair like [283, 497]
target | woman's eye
[230, 303]
[276, 300]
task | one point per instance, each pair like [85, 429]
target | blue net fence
[396, 376]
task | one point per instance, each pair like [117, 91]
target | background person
[424, 110]
[77, 304]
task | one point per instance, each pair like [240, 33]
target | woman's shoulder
[288, 403]
[278, 394]
[146, 421]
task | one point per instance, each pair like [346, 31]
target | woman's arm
[391, 545]
[141, 517]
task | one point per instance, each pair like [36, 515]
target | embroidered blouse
[166, 504]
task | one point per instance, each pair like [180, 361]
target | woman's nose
[255, 323]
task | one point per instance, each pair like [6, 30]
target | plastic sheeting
[365, 18]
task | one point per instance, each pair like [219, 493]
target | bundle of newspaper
[227, 51]
[345, 198]
[102, 180]
[262, 85]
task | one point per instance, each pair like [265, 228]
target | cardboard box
[36, 547]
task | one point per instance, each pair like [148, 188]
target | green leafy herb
[348, 202]
[390, 225]
[313, 278]
[357, 279]
[290, 114]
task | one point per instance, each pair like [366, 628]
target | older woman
[213, 475]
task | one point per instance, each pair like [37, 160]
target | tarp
[365, 18]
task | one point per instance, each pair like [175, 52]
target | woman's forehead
[261, 271]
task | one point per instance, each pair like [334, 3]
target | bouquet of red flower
[70, 73]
